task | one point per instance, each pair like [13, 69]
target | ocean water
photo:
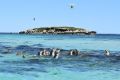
[98, 67]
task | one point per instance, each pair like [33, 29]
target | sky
[102, 16]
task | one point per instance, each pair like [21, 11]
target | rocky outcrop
[58, 30]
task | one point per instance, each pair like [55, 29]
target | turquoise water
[14, 67]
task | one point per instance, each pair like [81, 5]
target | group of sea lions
[56, 53]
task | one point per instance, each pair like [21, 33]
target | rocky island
[58, 30]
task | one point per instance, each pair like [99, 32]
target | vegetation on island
[58, 30]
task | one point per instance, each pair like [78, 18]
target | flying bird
[34, 19]
[71, 6]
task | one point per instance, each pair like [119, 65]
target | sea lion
[107, 53]
[74, 52]
[57, 53]
[52, 52]
[43, 53]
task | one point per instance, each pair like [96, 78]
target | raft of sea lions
[58, 53]
[54, 53]
[27, 52]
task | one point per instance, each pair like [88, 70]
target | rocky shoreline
[58, 30]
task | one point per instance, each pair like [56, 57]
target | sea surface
[99, 67]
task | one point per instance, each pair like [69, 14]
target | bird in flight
[71, 6]
[34, 19]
